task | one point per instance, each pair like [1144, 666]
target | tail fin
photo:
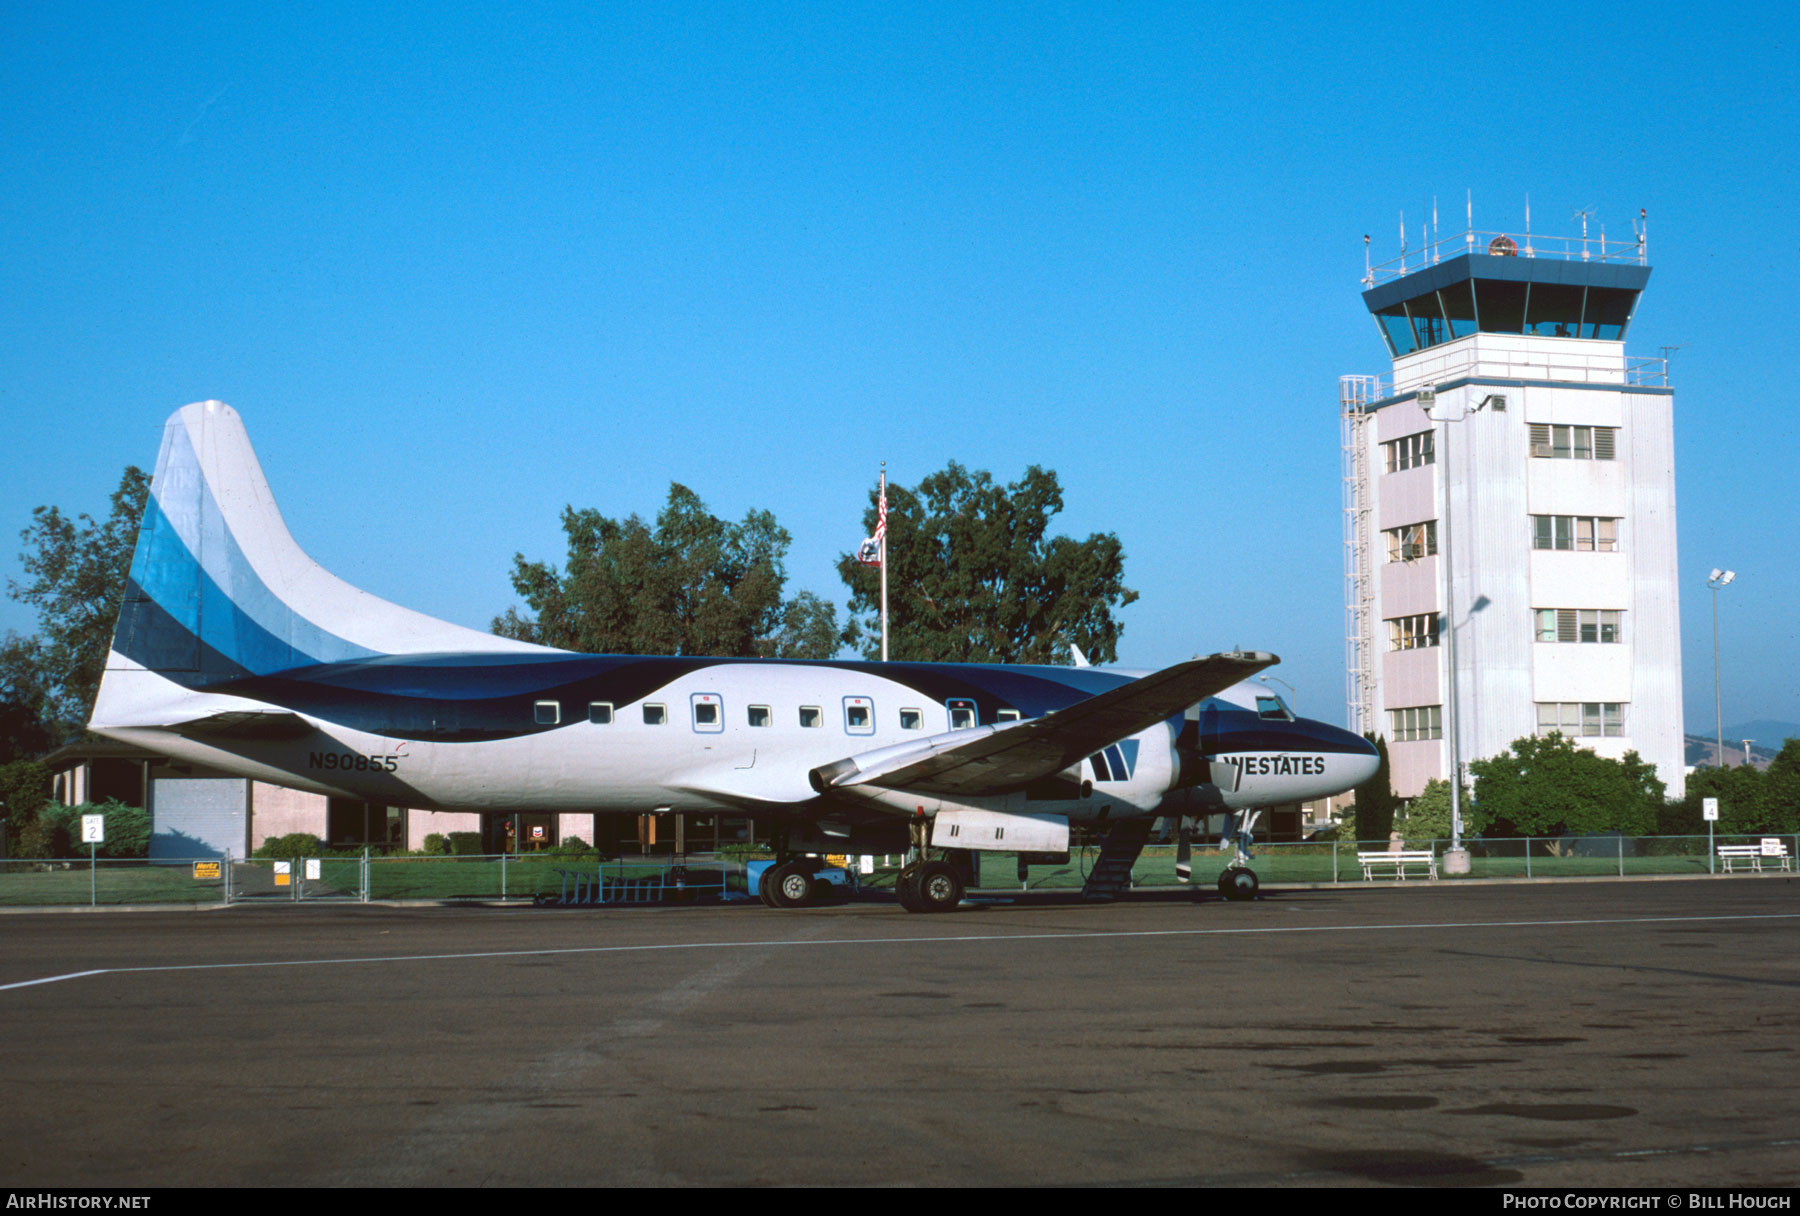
[218, 588]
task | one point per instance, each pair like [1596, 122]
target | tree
[1749, 800]
[75, 577]
[23, 700]
[24, 792]
[694, 585]
[1547, 786]
[1373, 810]
[1427, 815]
[973, 575]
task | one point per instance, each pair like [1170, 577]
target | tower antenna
[1582, 215]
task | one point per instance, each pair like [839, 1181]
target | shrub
[294, 844]
[436, 845]
[465, 844]
[56, 831]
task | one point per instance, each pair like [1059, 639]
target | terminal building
[1509, 509]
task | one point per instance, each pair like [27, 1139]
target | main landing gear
[925, 885]
[793, 882]
[929, 886]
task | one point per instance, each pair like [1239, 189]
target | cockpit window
[1273, 708]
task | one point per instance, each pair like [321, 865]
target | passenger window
[962, 714]
[911, 719]
[548, 713]
[759, 715]
[859, 716]
[709, 712]
[1007, 715]
[811, 715]
[655, 715]
[600, 713]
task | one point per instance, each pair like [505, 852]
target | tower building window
[1417, 723]
[1410, 452]
[1580, 625]
[1412, 542]
[1580, 533]
[1581, 719]
[1413, 632]
[1551, 442]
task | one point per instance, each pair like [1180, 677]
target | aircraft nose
[1360, 761]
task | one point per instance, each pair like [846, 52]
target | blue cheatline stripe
[166, 572]
[190, 565]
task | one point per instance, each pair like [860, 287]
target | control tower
[1509, 509]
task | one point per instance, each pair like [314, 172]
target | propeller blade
[1184, 850]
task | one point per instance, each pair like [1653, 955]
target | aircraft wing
[1007, 757]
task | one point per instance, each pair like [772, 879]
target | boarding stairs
[1111, 875]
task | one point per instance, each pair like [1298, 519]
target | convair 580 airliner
[235, 650]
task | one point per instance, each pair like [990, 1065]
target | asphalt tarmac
[1597, 1033]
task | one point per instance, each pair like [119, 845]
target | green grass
[25, 884]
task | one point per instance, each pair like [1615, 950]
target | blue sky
[460, 266]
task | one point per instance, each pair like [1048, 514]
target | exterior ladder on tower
[1111, 874]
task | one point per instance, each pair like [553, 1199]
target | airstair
[1111, 875]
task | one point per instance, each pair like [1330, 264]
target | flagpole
[882, 509]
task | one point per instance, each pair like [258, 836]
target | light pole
[1456, 858]
[1717, 579]
[1292, 691]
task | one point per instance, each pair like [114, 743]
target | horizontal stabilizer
[245, 724]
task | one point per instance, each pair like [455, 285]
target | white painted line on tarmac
[52, 979]
[924, 940]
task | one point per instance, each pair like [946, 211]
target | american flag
[870, 552]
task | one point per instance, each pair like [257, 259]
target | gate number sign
[93, 829]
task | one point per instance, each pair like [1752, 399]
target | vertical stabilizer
[218, 588]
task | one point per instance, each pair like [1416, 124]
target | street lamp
[1717, 579]
[1456, 859]
[1292, 691]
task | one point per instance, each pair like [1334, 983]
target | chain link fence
[364, 877]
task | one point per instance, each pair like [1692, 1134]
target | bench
[1775, 852]
[1398, 863]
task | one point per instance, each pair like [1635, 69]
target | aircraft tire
[1238, 883]
[939, 887]
[791, 886]
[907, 888]
[762, 887]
